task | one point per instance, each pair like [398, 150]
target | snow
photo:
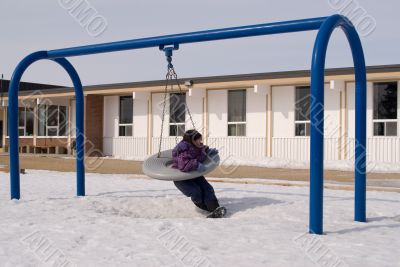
[128, 220]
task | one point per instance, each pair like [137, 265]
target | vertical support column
[69, 150]
[13, 119]
[317, 150]
[5, 125]
[35, 123]
[360, 167]
[317, 123]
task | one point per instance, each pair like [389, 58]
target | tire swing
[159, 166]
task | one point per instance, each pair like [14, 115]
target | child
[188, 156]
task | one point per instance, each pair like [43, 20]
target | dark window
[30, 116]
[302, 111]
[385, 109]
[125, 109]
[52, 115]
[25, 121]
[21, 117]
[52, 120]
[125, 115]
[177, 114]
[62, 119]
[237, 113]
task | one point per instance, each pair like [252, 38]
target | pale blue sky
[27, 26]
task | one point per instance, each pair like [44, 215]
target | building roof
[250, 76]
[220, 79]
[26, 86]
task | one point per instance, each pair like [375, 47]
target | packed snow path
[128, 221]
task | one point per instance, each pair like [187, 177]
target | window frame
[385, 121]
[237, 122]
[176, 124]
[47, 127]
[125, 125]
[306, 123]
[25, 122]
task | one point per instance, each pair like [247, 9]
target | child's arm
[203, 155]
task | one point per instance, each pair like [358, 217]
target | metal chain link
[175, 76]
[167, 79]
[171, 76]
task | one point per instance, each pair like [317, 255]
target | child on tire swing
[189, 155]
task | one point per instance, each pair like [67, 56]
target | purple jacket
[186, 156]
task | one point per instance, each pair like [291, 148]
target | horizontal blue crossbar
[192, 37]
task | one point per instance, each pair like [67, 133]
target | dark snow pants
[200, 191]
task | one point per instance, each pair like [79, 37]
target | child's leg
[209, 197]
[191, 189]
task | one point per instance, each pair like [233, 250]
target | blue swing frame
[325, 27]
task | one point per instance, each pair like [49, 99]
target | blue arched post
[317, 121]
[13, 121]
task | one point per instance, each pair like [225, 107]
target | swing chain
[170, 78]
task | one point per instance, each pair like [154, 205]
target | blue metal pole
[193, 37]
[13, 119]
[360, 165]
[79, 107]
[317, 116]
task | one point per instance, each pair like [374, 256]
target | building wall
[111, 116]
[157, 111]
[217, 105]
[270, 128]
[283, 98]
[140, 114]
[195, 100]
[44, 144]
[126, 146]
[256, 109]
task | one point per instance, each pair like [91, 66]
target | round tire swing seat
[161, 167]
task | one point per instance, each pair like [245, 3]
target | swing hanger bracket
[168, 52]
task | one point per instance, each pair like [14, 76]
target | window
[302, 111]
[177, 112]
[385, 109]
[237, 113]
[25, 121]
[125, 115]
[52, 120]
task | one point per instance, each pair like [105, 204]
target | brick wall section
[51, 142]
[22, 142]
[94, 124]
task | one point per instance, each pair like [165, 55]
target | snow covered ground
[128, 221]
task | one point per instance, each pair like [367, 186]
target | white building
[251, 115]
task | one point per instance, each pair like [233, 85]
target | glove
[201, 167]
[212, 151]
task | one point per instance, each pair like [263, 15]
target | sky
[27, 26]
